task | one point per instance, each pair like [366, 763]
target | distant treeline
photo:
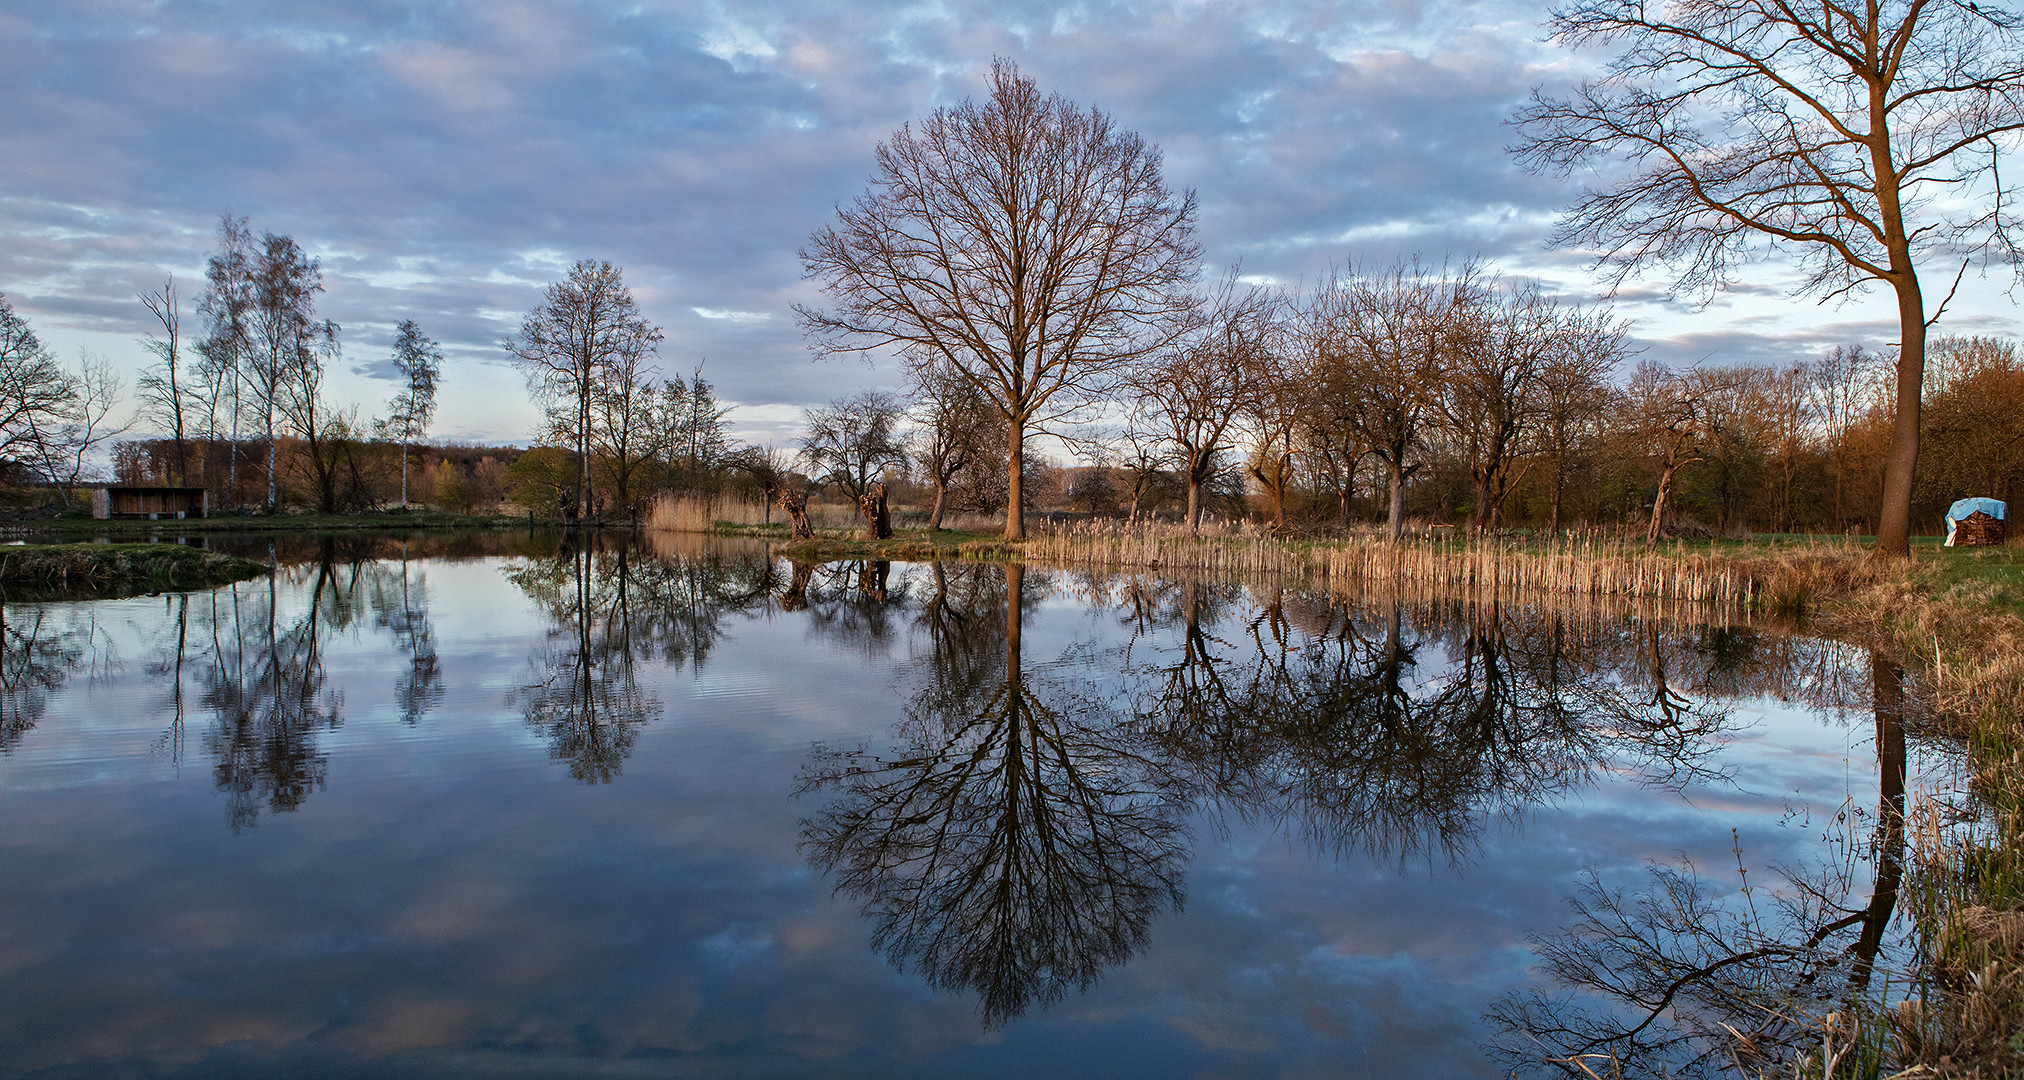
[365, 474]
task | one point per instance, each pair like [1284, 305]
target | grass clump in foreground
[100, 571]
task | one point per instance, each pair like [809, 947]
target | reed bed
[1576, 566]
[690, 513]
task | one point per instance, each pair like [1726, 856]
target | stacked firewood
[1978, 530]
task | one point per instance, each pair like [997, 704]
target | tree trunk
[1395, 522]
[1894, 517]
[270, 460]
[1659, 507]
[586, 502]
[941, 500]
[1015, 494]
[797, 512]
[1194, 503]
[878, 524]
[1553, 499]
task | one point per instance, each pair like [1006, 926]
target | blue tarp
[1959, 512]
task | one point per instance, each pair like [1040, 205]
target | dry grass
[688, 513]
[1779, 579]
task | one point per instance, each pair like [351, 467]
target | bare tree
[1196, 388]
[34, 389]
[950, 430]
[585, 322]
[1031, 247]
[1574, 394]
[624, 424]
[226, 308]
[852, 441]
[1858, 138]
[1273, 413]
[1140, 453]
[1669, 416]
[164, 398]
[698, 445]
[64, 439]
[325, 432]
[1497, 395]
[283, 337]
[1376, 344]
[420, 361]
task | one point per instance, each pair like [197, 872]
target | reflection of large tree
[1017, 844]
[609, 607]
[1675, 980]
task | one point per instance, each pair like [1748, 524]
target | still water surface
[506, 807]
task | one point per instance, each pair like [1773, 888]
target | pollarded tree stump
[797, 512]
[878, 523]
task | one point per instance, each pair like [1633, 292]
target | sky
[446, 161]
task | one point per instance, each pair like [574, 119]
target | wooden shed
[153, 503]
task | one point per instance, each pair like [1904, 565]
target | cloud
[447, 161]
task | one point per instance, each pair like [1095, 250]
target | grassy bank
[101, 571]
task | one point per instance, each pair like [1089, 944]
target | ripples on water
[483, 806]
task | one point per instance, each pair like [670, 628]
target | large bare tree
[1859, 138]
[567, 346]
[1028, 245]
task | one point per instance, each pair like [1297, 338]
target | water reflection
[1333, 717]
[1020, 841]
[1400, 729]
[610, 607]
[1019, 825]
[1021, 834]
[1686, 977]
[39, 647]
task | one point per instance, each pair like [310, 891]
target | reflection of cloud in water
[455, 896]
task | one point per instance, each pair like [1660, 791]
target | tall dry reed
[1579, 566]
[691, 513]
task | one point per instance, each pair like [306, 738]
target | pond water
[487, 806]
